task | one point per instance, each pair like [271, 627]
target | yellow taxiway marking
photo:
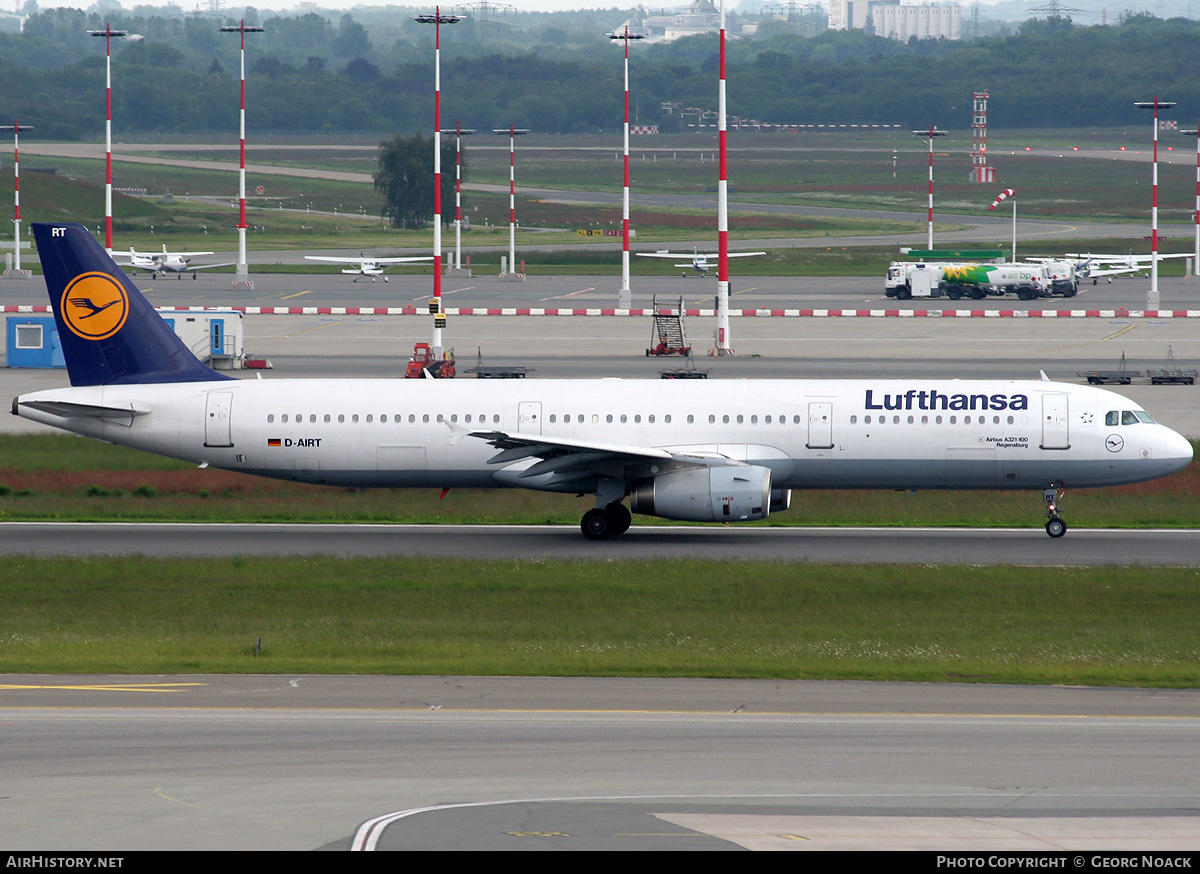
[297, 294]
[108, 687]
[166, 797]
[317, 328]
[1090, 342]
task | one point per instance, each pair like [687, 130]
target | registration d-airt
[695, 450]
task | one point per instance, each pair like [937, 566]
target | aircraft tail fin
[110, 333]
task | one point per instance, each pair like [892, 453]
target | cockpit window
[1143, 416]
[1128, 418]
[1112, 417]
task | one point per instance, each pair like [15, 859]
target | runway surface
[988, 546]
[389, 763]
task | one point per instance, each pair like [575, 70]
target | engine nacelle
[732, 493]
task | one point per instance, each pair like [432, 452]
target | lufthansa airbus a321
[722, 451]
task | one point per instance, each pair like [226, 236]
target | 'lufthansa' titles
[932, 399]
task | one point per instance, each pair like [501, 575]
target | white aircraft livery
[695, 450]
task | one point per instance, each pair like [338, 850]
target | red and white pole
[243, 270]
[724, 339]
[108, 33]
[512, 199]
[930, 232]
[16, 128]
[458, 135]
[931, 133]
[1196, 218]
[625, 295]
[435, 305]
[1152, 298]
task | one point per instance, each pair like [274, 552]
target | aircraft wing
[360, 261]
[562, 459]
[209, 266]
[694, 254]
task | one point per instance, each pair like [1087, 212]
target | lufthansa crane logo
[94, 306]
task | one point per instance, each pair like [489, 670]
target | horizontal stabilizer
[76, 410]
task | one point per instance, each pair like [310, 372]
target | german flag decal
[274, 441]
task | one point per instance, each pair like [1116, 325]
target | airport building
[890, 19]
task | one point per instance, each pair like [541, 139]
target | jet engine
[731, 493]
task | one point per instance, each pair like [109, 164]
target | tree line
[308, 75]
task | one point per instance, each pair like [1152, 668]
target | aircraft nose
[1177, 451]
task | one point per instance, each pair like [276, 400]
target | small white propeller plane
[165, 262]
[698, 261]
[372, 267]
[1094, 266]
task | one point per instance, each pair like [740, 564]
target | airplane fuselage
[811, 434]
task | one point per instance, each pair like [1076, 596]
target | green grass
[663, 618]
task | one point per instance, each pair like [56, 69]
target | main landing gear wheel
[1056, 527]
[601, 524]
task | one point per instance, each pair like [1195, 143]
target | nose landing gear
[1055, 527]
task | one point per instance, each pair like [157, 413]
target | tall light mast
[1152, 298]
[16, 128]
[512, 133]
[724, 340]
[625, 295]
[459, 133]
[243, 270]
[930, 134]
[435, 303]
[1196, 218]
[108, 33]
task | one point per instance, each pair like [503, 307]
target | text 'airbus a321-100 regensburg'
[703, 451]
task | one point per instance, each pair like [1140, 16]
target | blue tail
[110, 333]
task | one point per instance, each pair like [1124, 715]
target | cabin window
[995, 420]
[454, 417]
[608, 418]
[895, 420]
[270, 418]
[854, 420]
[284, 418]
[1010, 420]
[953, 420]
[739, 420]
[595, 419]
[795, 420]
[725, 419]
[966, 420]
[370, 418]
[637, 418]
[341, 418]
[924, 420]
[866, 420]
[440, 418]
[650, 418]
[766, 420]
[667, 419]
[624, 418]
[553, 418]
[425, 418]
[312, 417]
[911, 420]
[938, 420]
[412, 417]
[328, 418]
[712, 419]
